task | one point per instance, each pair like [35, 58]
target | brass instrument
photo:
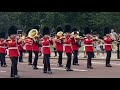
[33, 33]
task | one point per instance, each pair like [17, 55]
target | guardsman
[107, 45]
[20, 47]
[68, 47]
[28, 47]
[35, 46]
[75, 45]
[13, 51]
[2, 49]
[59, 45]
[88, 42]
[46, 42]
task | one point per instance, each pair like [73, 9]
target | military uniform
[2, 49]
[68, 47]
[46, 50]
[88, 42]
[20, 48]
[108, 46]
[59, 45]
[28, 47]
[13, 51]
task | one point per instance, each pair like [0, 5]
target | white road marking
[3, 71]
[65, 69]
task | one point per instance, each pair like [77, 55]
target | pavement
[99, 70]
[80, 56]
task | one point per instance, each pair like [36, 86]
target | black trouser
[75, 56]
[30, 56]
[14, 61]
[68, 64]
[46, 61]
[35, 59]
[90, 55]
[21, 55]
[60, 57]
[108, 57]
[2, 58]
[55, 51]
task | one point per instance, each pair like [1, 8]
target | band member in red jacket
[20, 47]
[75, 41]
[2, 49]
[68, 47]
[35, 46]
[88, 42]
[108, 46]
[46, 41]
[59, 45]
[28, 46]
[13, 51]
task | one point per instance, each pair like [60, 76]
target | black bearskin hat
[106, 31]
[12, 30]
[27, 32]
[87, 30]
[2, 35]
[74, 29]
[59, 29]
[46, 31]
[67, 29]
[36, 27]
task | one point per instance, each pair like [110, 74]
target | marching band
[67, 41]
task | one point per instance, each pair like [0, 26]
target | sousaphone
[33, 33]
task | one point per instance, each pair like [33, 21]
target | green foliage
[26, 20]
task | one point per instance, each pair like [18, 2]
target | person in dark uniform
[13, 51]
[59, 45]
[68, 47]
[108, 46]
[46, 42]
[2, 49]
[28, 46]
[88, 47]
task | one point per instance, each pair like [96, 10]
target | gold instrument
[33, 33]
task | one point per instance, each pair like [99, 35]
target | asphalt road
[99, 71]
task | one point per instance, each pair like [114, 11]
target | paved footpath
[99, 71]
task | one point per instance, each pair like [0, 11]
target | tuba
[33, 33]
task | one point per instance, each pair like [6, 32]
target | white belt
[28, 44]
[2, 47]
[13, 48]
[107, 44]
[88, 45]
[67, 44]
[45, 46]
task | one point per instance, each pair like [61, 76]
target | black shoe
[44, 71]
[3, 65]
[75, 64]
[16, 76]
[90, 67]
[12, 76]
[50, 72]
[69, 70]
[35, 68]
[60, 65]
[108, 65]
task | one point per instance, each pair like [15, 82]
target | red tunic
[88, 45]
[35, 47]
[107, 43]
[67, 45]
[12, 48]
[20, 45]
[2, 47]
[74, 46]
[28, 43]
[46, 45]
[59, 45]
